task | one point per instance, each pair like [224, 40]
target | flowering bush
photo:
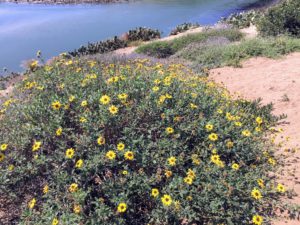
[135, 143]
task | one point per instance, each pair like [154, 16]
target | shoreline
[63, 2]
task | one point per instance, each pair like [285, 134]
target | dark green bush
[143, 34]
[184, 27]
[159, 49]
[281, 19]
[99, 47]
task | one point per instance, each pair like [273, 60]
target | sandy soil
[276, 81]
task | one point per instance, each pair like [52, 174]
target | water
[25, 29]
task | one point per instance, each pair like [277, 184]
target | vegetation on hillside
[283, 18]
[220, 53]
[136, 143]
[163, 49]
[138, 34]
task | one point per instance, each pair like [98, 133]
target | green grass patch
[163, 49]
[211, 56]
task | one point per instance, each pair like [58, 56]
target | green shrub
[99, 47]
[167, 48]
[183, 27]
[242, 19]
[283, 18]
[134, 143]
[158, 49]
[143, 34]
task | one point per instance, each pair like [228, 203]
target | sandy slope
[276, 81]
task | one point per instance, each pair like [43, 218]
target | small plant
[285, 98]
[184, 27]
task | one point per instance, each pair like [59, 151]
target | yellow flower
[56, 105]
[77, 209]
[258, 129]
[162, 98]
[260, 182]
[193, 106]
[196, 161]
[101, 140]
[55, 221]
[82, 120]
[229, 144]
[246, 133]
[58, 132]
[113, 109]
[70, 153]
[3, 147]
[169, 130]
[209, 127]
[46, 189]
[188, 180]
[168, 173]
[33, 65]
[255, 193]
[154, 192]
[272, 161]
[238, 124]
[11, 167]
[235, 166]
[84, 103]
[124, 172]
[122, 207]
[31, 203]
[172, 161]
[189, 198]
[79, 163]
[110, 155]
[191, 174]
[105, 99]
[155, 88]
[259, 120]
[120, 146]
[73, 187]
[257, 220]
[166, 200]
[122, 96]
[213, 137]
[36, 145]
[215, 158]
[280, 188]
[129, 155]
[71, 98]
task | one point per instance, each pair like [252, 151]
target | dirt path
[276, 81]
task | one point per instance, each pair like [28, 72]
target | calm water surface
[25, 29]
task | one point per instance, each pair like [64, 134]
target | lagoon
[27, 28]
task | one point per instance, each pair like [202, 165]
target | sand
[276, 81]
